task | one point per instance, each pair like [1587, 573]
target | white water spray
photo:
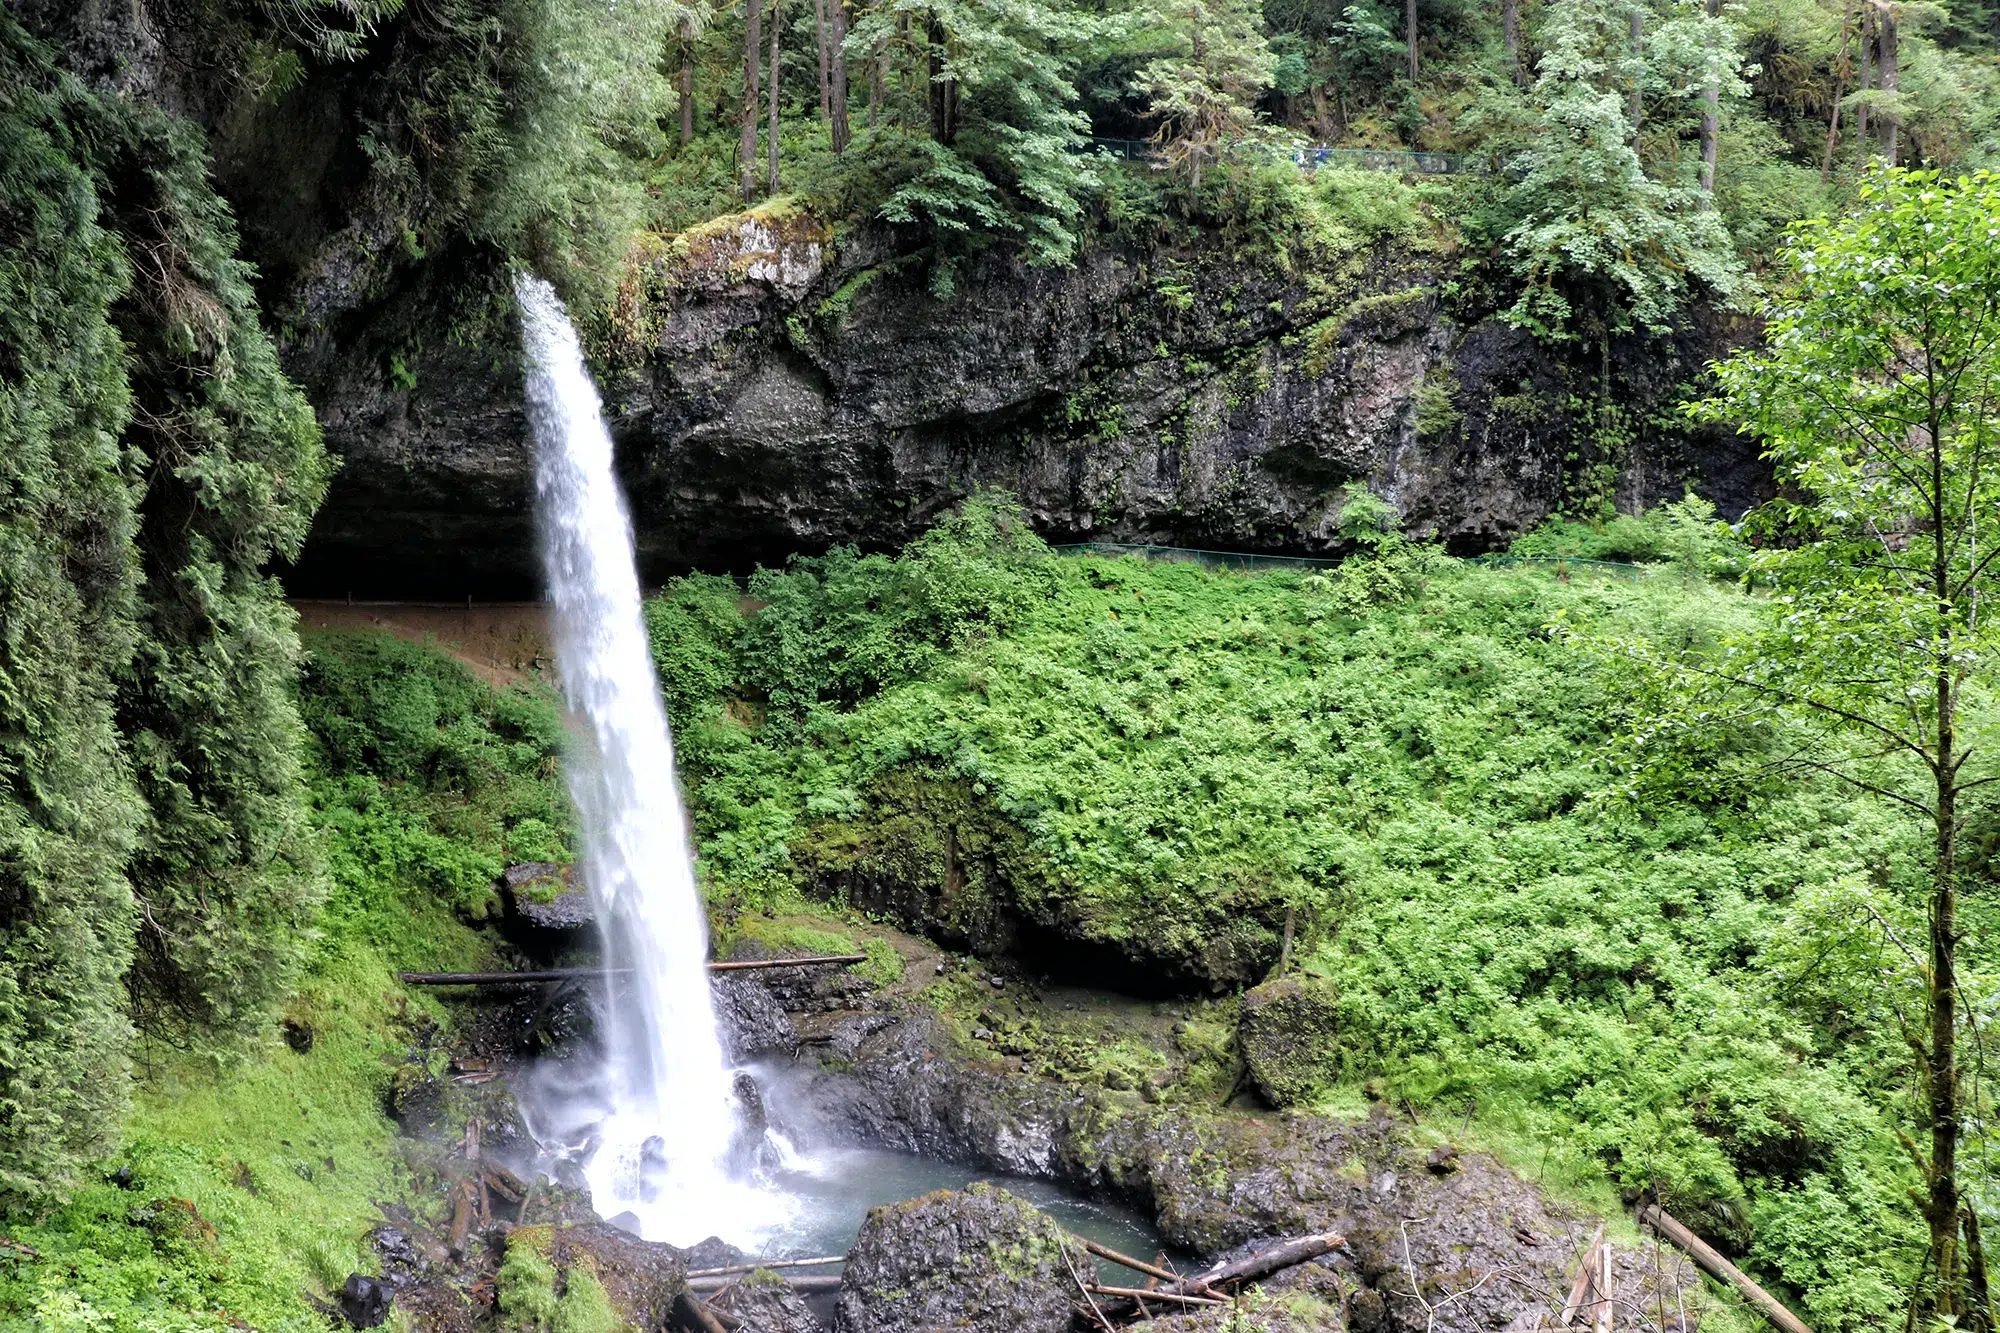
[663, 1145]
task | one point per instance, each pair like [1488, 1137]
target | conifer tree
[1203, 94]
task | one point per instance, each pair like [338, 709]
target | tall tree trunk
[1410, 30]
[1711, 116]
[825, 70]
[776, 28]
[1866, 82]
[1638, 104]
[943, 89]
[686, 83]
[1941, 1073]
[837, 88]
[753, 41]
[1510, 30]
[1840, 77]
[1891, 77]
[1942, 1204]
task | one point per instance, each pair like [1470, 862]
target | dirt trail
[503, 643]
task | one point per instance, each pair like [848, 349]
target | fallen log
[768, 1263]
[1586, 1274]
[572, 973]
[1263, 1263]
[796, 1283]
[1249, 1268]
[1127, 1261]
[1137, 1293]
[1709, 1261]
[696, 1315]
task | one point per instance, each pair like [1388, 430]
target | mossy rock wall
[928, 854]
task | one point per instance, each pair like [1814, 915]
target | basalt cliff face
[777, 386]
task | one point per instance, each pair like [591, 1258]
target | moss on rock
[1288, 1035]
[978, 1259]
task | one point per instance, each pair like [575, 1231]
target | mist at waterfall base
[659, 1121]
[653, 1123]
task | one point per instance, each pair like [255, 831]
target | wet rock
[714, 1252]
[978, 1260]
[1288, 1036]
[764, 1302]
[418, 1099]
[364, 1302]
[756, 422]
[1216, 1181]
[639, 1278]
[547, 896]
[749, 1016]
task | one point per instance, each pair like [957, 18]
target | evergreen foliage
[68, 809]
[232, 469]
[1595, 227]
[155, 460]
[1159, 761]
[250, 1188]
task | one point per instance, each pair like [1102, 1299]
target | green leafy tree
[1204, 93]
[1001, 153]
[1877, 397]
[1598, 241]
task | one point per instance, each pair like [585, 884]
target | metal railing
[1194, 555]
[1247, 560]
[1311, 159]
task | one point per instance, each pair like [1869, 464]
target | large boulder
[1287, 1034]
[977, 1260]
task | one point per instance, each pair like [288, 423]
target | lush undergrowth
[1162, 761]
[245, 1188]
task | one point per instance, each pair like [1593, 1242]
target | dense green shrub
[154, 460]
[1399, 752]
[67, 806]
[426, 775]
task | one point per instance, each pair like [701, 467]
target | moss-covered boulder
[585, 1278]
[1288, 1034]
[977, 1260]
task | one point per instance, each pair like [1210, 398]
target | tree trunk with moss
[753, 55]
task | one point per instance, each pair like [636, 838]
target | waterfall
[664, 1140]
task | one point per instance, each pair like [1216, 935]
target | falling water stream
[657, 1128]
[663, 1147]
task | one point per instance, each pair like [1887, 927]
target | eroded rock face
[977, 1260]
[774, 391]
[1287, 1034]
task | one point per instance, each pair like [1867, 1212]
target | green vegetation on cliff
[152, 462]
[1156, 763]
[243, 1189]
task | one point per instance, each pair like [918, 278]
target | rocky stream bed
[960, 1062]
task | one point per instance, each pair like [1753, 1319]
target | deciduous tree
[1877, 399]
